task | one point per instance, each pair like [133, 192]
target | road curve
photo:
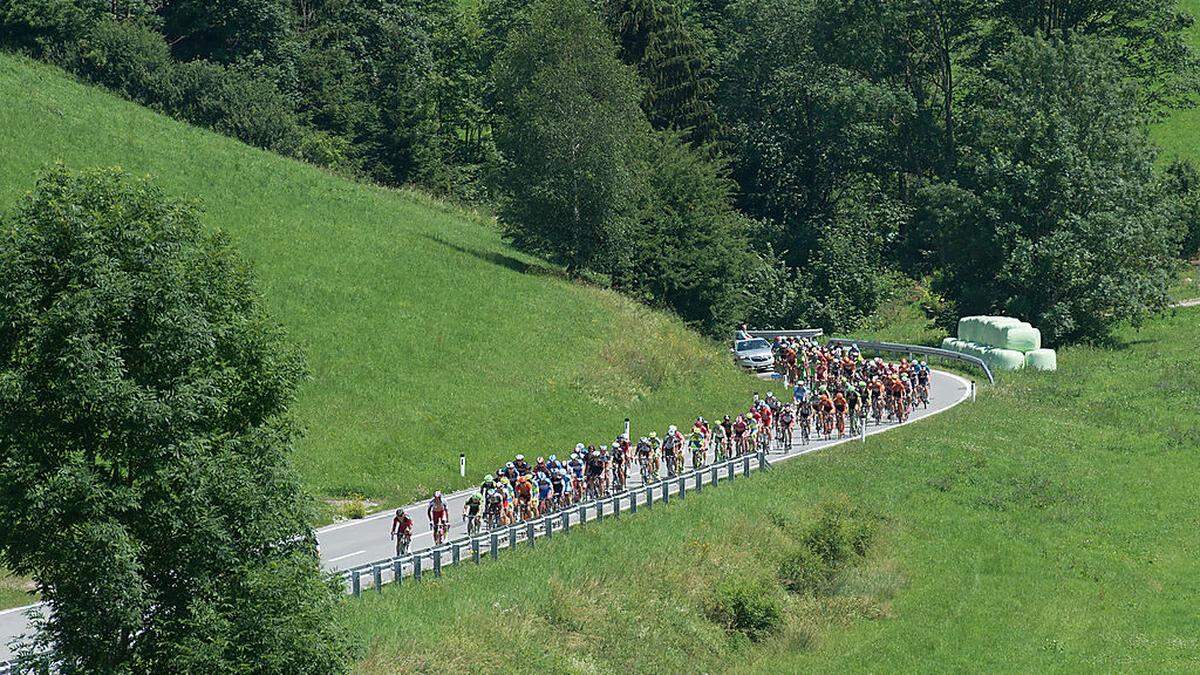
[355, 542]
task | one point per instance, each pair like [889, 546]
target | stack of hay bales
[1004, 343]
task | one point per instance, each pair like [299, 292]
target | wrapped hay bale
[1020, 337]
[992, 330]
[948, 343]
[1041, 359]
[966, 327]
[1004, 359]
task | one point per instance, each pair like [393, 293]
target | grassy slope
[1051, 525]
[1179, 135]
[424, 335]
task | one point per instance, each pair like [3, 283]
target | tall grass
[426, 336]
[1049, 526]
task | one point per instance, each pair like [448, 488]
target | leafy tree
[228, 31]
[1182, 180]
[1148, 37]
[1056, 215]
[144, 422]
[569, 121]
[688, 249]
[653, 37]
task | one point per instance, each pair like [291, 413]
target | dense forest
[782, 162]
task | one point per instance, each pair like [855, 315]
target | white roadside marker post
[462, 465]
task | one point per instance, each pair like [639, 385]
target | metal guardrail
[802, 333]
[896, 348]
[489, 544]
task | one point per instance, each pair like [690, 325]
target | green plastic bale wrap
[1041, 359]
[1020, 337]
[974, 329]
[992, 332]
[948, 343]
[1004, 359]
[966, 327]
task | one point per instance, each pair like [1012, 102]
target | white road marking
[348, 555]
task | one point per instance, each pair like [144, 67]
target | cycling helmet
[579, 447]
[504, 481]
[510, 465]
[595, 453]
[553, 458]
[489, 478]
[437, 495]
[520, 458]
[604, 448]
[574, 455]
[541, 460]
[671, 429]
[399, 512]
[653, 434]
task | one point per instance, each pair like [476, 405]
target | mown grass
[1049, 526]
[1188, 286]
[426, 336]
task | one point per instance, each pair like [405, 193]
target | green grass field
[1179, 134]
[1049, 526]
[426, 336]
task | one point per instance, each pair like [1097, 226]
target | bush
[235, 102]
[355, 508]
[803, 571]
[126, 58]
[841, 532]
[749, 606]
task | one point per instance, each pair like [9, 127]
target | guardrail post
[666, 487]
[512, 536]
[763, 462]
[650, 496]
[615, 503]
[716, 474]
[356, 582]
[599, 509]
[972, 391]
[398, 571]
[745, 465]
[437, 562]
[529, 533]
[475, 550]
[549, 521]
[633, 501]
[682, 486]
[699, 479]
[377, 578]
[417, 567]
[495, 545]
[566, 521]
[455, 554]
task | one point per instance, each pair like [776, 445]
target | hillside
[425, 335]
[1049, 526]
[1179, 134]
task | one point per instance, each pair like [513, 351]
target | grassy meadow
[425, 335]
[1049, 526]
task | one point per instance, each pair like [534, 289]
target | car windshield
[748, 345]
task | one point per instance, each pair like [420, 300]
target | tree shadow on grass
[501, 259]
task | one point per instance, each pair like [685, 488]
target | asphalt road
[357, 542]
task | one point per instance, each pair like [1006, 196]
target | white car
[753, 354]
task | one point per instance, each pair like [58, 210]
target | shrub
[355, 508]
[126, 58]
[748, 606]
[804, 571]
[842, 531]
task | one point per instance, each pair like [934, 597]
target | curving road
[356, 542]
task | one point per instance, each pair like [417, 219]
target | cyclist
[669, 450]
[787, 418]
[853, 406]
[839, 410]
[740, 427]
[473, 513]
[576, 466]
[544, 486]
[594, 472]
[696, 447]
[439, 517]
[720, 440]
[402, 527]
[805, 412]
[619, 468]
[523, 468]
[524, 492]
